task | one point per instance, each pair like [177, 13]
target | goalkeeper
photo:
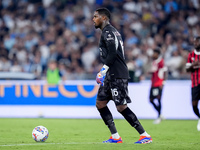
[113, 79]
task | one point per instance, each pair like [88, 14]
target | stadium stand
[32, 32]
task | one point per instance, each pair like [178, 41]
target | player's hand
[101, 75]
[100, 78]
[196, 65]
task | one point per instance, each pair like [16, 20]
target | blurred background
[33, 32]
[37, 36]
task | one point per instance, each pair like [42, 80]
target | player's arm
[165, 75]
[165, 71]
[162, 72]
[188, 65]
[111, 46]
[191, 66]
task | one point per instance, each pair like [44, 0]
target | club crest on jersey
[110, 37]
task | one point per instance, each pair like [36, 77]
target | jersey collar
[196, 52]
[106, 26]
[158, 59]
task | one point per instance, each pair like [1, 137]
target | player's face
[197, 44]
[154, 56]
[97, 19]
[52, 66]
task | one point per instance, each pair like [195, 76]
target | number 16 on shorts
[114, 92]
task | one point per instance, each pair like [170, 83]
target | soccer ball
[40, 134]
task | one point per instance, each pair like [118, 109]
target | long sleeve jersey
[195, 73]
[112, 52]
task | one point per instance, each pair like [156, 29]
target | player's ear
[104, 17]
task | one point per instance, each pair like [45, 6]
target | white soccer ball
[40, 134]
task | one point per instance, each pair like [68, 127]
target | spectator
[34, 32]
[53, 74]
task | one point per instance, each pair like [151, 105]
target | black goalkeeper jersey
[112, 52]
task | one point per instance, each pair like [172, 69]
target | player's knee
[100, 104]
[194, 103]
[194, 107]
[120, 108]
[151, 100]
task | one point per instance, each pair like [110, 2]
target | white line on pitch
[49, 143]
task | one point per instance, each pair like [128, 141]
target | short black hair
[104, 11]
[157, 50]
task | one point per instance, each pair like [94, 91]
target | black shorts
[196, 93]
[114, 89]
[155, 92]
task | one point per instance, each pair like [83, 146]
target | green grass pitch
[88, 134]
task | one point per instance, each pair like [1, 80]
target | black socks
[196, 111]
[157, 107]
[108, 119]
[132, 119]
[128, 115]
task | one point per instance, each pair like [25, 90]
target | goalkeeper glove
[101, 75]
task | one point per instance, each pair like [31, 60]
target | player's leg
[155, 106]
[152, 96]
[159, 106]
[155, 94]
[159, 102]
[196, 111]
[103, 96]
[134, 122]
[107, 118]
[121, 98]
[195, 108]
[131, 118]
[195, 101]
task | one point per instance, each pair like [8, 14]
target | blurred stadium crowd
[33, 32]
